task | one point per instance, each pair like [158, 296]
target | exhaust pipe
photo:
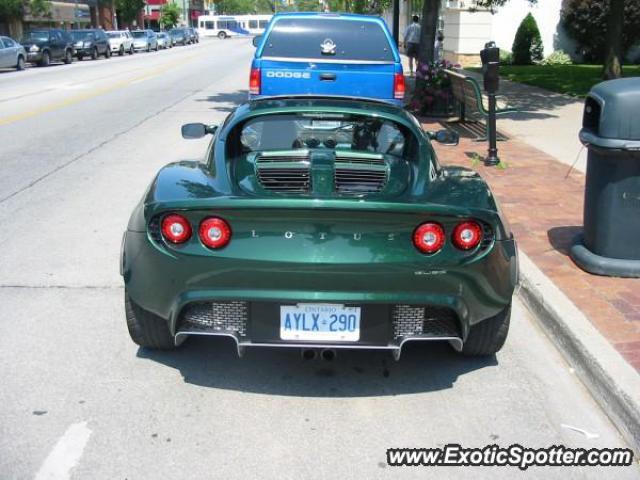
[328, 354]
[309, 354]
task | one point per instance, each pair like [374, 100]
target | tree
[129, 9]
[170, 15]
[15, 9]
[613, 63]
[527, 45]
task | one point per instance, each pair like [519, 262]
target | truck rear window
[313, 38]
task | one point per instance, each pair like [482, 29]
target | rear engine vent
[360, 174]
[284, 173]
[229, 317]
[424, 321]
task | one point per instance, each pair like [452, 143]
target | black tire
[222, 35]
[148, 48]
[145, 328]
[20, 63]
[132, 50]
[488, 336]
[94, 53]
[121, 51]
[80, 57]
[46, 59]
[107, 53]
[156, 47]
[68, 57]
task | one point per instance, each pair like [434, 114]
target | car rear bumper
[437, 304]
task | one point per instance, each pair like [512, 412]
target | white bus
[223, 26]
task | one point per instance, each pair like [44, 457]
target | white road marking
[66, 453]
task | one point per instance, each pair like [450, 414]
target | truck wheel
[145, 328]
[20, 64]
[68, 57]
[46, 59]
[488, 336]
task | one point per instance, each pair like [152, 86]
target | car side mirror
[256, 40]
[197, 130]
[445, 137]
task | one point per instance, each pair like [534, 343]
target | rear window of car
[328, 39]
[336, 132]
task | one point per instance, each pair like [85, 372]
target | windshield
[82, 35]
[176, 31]
[328, 39]
[323, 131]
[113, 35]
[35, 37]
[138, 34]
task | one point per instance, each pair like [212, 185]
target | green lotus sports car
[319, 223]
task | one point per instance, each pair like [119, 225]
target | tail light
[467, 235]
[254, 81]
[398, 86]
[429, 237]
[176, 229]
[214, 232]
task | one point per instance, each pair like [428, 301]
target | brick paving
[542, 200]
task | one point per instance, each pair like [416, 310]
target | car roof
[330, 16]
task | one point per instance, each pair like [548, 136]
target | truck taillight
[254, 81]
[398, 86]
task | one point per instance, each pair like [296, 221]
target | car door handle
[328, 77]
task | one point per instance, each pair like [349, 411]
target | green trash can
[610, 244]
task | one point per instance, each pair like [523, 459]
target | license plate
[320, 322]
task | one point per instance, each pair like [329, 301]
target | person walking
[412, 41]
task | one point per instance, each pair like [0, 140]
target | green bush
[557, 58]
[505, 57]
[527, 45]
[586, 22]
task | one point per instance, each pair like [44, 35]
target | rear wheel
[145, 328]
[222, 35]
[121, 51]
[488, 336]
[107, 53]
[68, 57]
[20, 64]
[94, 53]
[131, 50]
[80, 57]
[46, 59]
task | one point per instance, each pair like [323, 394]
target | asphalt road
[78, 146]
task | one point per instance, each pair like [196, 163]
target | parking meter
[490, 56]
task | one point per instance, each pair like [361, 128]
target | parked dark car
[319, 223]
[48, 45]
[12, 54]
[91, 43]
[179, 36]
[193, 35]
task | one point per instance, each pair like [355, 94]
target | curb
[612, 382]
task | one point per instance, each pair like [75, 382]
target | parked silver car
[12, 54]
[164, 40]
[145, 40]
[121, 42]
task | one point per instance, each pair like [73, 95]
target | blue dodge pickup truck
[327, 54]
